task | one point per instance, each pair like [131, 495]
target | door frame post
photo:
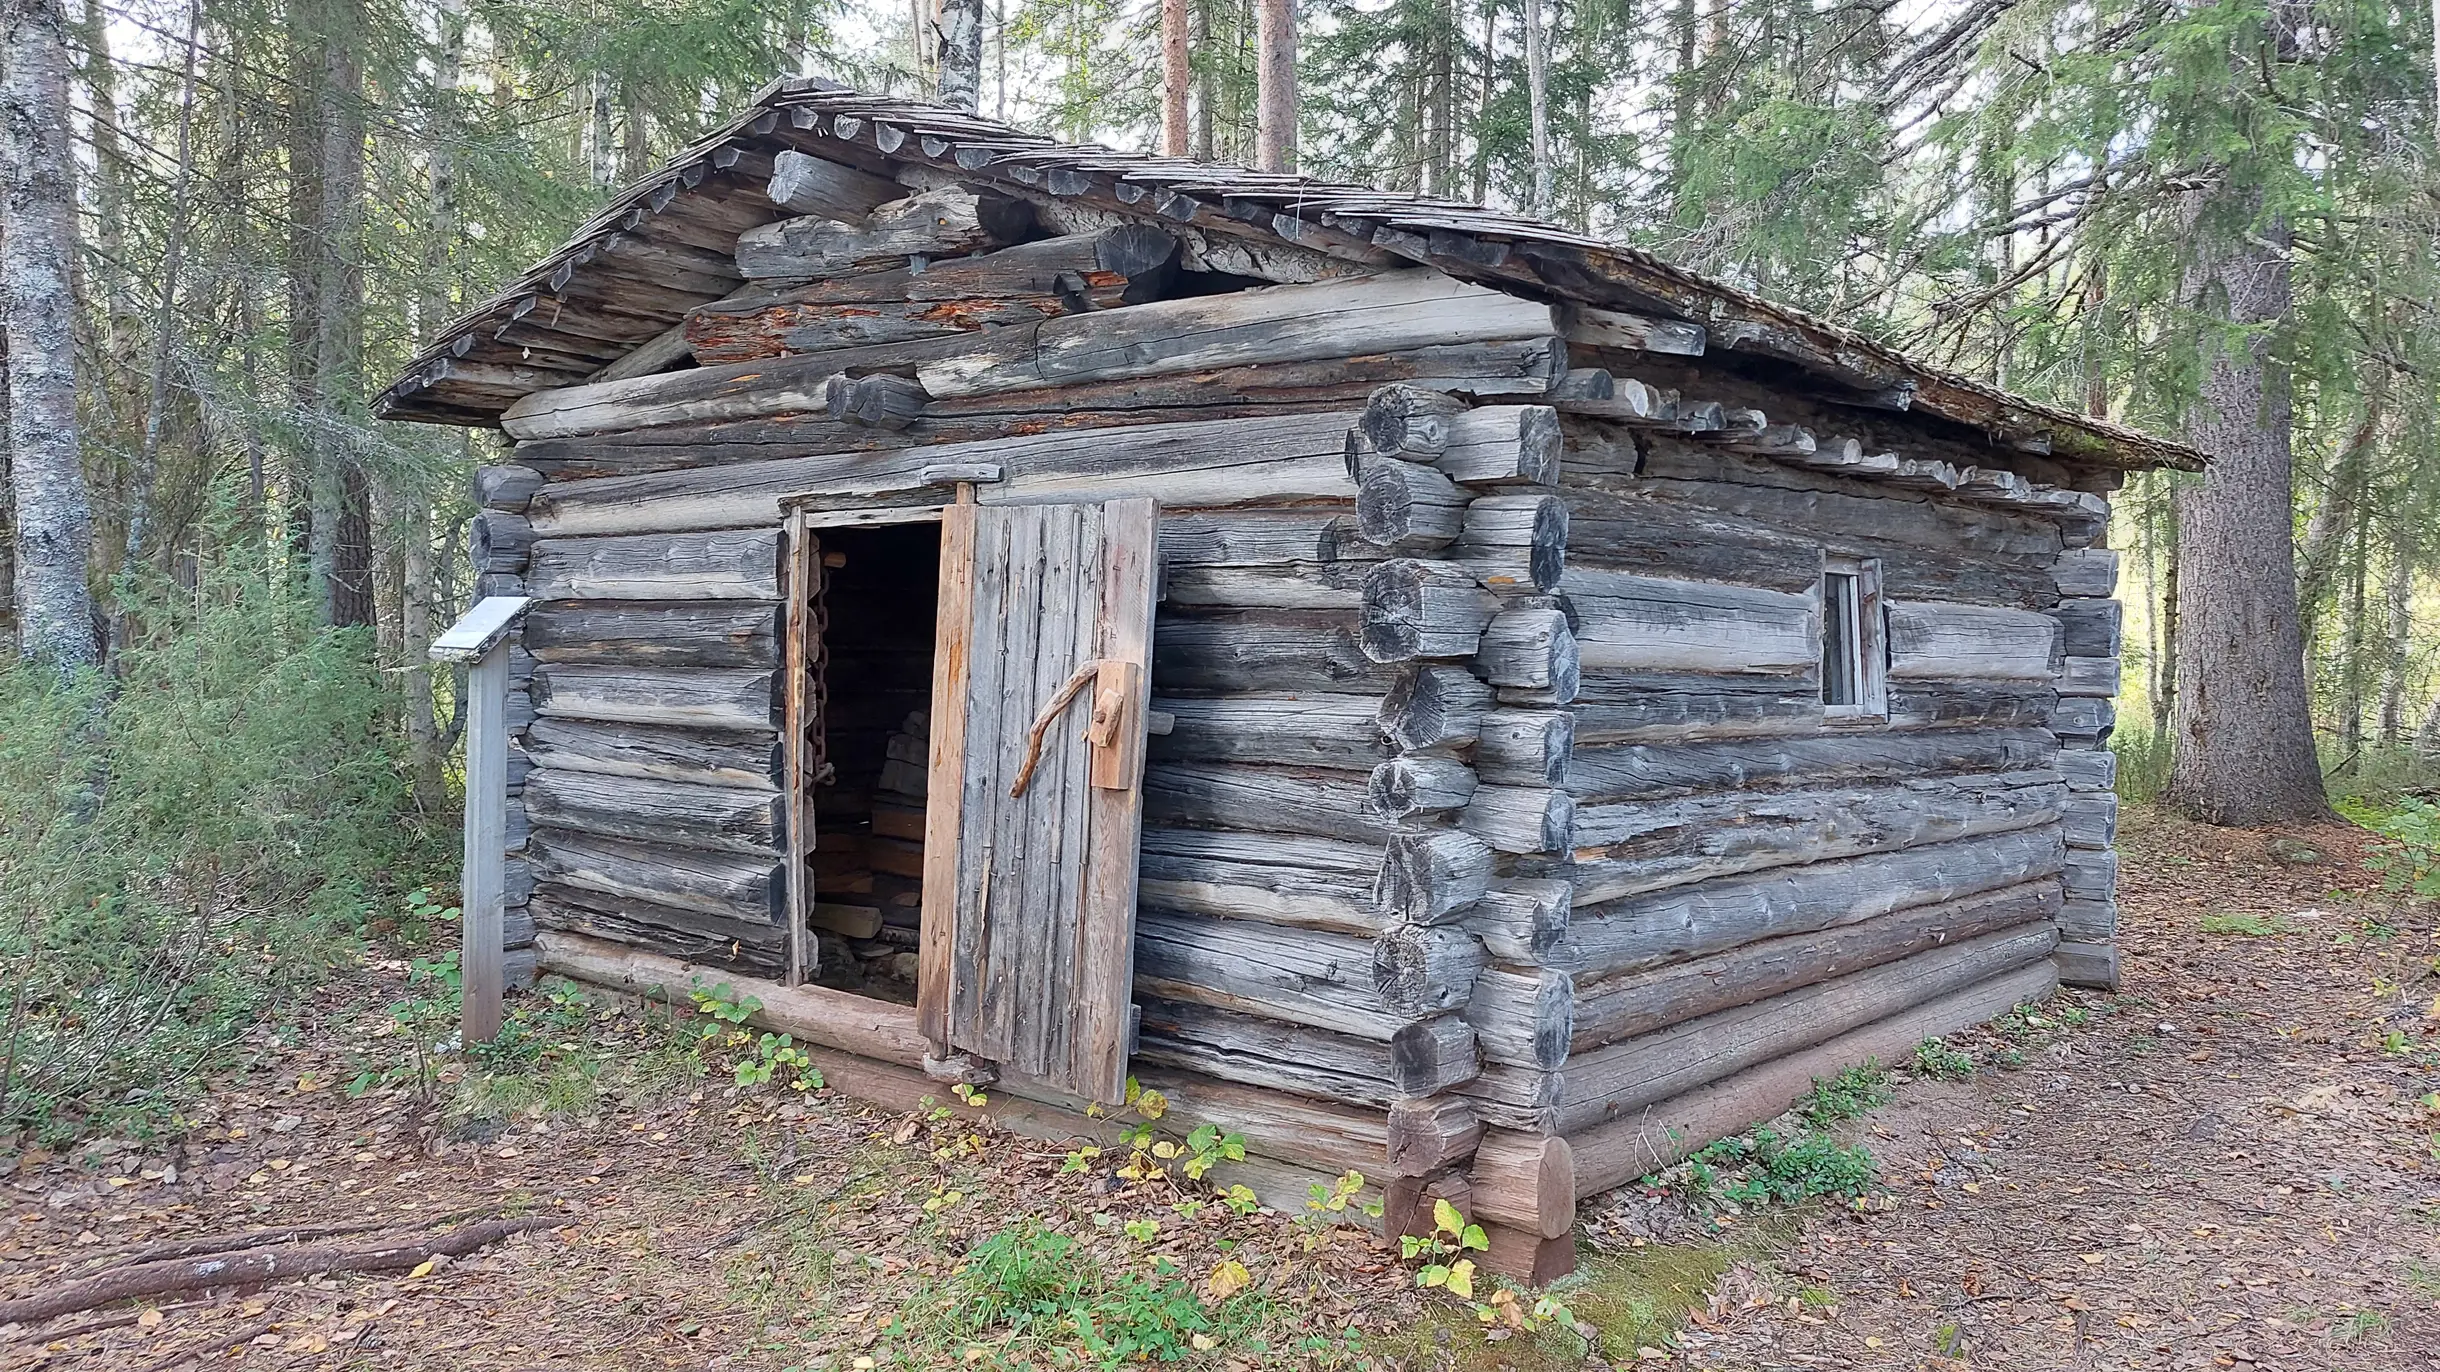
[480, 639]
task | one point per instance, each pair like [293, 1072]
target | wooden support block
[805, 184]
[2084, 717]
[2087, 572]
[1521, 819]
[2091, 820]
[2091, 875]
[1408, 422]
[2089, 676]
[1513, 543]
[2091, 627]
[1410, 1204]
[2089, 919]
[507, 488]
[1503, 445]
[1599, 328]
[1524, 1017]
[1525, 1180]
[1531, 649]
[1521, 747]
[936, 223]
[1426, 969]
[2088, 769]
[876, 402]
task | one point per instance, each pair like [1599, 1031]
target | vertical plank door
[1028, 954]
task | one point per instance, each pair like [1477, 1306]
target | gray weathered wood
[699, 633]
[1341, 318]
[1407, 421]
[1433, 708]
[691, 936]
[506, 488]
[1429, 876]
[2092, 769]
[1514, 543]
[2084, 717]
[1417, 609]
[481, 629]
[1326, 804]
[483, 888]
[1631, 770]
[700, 697]
[1503, 445]
[1599, 328]
[1405, 505]
[1626, 531]
[1620, 706]
[1688, 922]
[886, 402]
[1521, 819]
[2091, 820]
[805, 184]
[1269, 878]
[2090, 628]
[1526, 747]
[1298, 976]
[936, 223]
[735, 886]
[2089, 676]
[1532, 655]
[2092, 919]
[2093, 965]
[1340, 731]
[1428, 1135]
[1417, 784]
[1426, 969]
[1423, 1060]
[1523, 921]
[1624, 1007]
[2087, 572]
[733, 564]
[1263, 650]
[709, 757]
[729, 819]
[1971, 642]
[1639, 623]
[2091, 874]
[1527, 1018]
[500, 541]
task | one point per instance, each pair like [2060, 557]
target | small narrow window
[1853, 658]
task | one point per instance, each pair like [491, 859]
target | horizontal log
[1688, 922]
[2084, 717]
[1625, 531]
[692, 697]
[2090, 628]
[725, 818]
[1325, 804]
[1616, 706]
[2093, 965]
[500, 541]
[1625, 1007]
[1417, 784]
[1417, 609]
[709, 944]
[1336, 731]
[1523, 921]
[1430, 1134]
[1525, 1180]
[1625, 771]
[1599, 328]
[1644, 846]
[2087, 572]
[1514, 543]
[743, 330]
[1426, 969]
[1432, 708]
[1990, 704]
[1337, 318]
[730, 885]
[1319, 534]
[1262, 650]
[1521, 819]
[806, 184]
[1503, 445]
[2088, 769]
[2089, 918]
[1669, 1131]
[506, 487]
[1531, 654]
[1320, 1132]
[1206, 462]
[746, 758]
[1294, 586]
[1407, 422]
[735, 564]
[936, 223]
[1526, 1017]
[2089, 676]
[810, 1014]
[1271, 878]
[1428, 876]
[1526, 747]
[699, 633]
[1619, 1080]
[1422, 1060]
[1407, 506]
[1640, 623]
[2091, 820]
[1973, 642]
[2091, 874]
[1297, 976]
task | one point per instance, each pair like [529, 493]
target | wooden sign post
[481, 638]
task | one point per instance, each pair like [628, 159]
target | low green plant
[1935, 1059]
[2410, 862]
[1763, 1167]
[1851, 1094]
[1443, 1251]
[2247, 924]
[754, 1059]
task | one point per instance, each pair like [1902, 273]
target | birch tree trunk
[961, 54]
[37, 250]
[2242, 722]
[1177, 74]
[1275, 86]
[603, 140]
[1537, 99]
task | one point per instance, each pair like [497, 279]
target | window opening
[1854, 659]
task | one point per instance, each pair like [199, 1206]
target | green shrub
[1854, 1091]
[1935, 1059]
[185, 844]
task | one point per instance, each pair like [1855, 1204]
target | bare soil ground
[2231, 1164]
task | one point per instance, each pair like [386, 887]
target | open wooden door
[1039, 690]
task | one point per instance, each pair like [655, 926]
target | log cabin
[1437, 694]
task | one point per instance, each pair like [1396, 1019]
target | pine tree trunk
[2244, 732]
[37, 306]
[1275, 86]
[2325, 534]
[1177, 74]
[2398, 589]
[2351, 722]
[1206, 105]
[961, 54]
[339, 334]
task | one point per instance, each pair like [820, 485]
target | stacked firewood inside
[868, 871]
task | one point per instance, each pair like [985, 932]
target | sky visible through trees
[2066, 197]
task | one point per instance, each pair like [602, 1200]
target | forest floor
[2232, 1163]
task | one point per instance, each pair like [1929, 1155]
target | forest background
[273, 201]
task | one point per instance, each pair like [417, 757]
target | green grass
[2248, 925]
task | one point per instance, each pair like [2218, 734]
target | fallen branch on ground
[254, 1267]
[201, 1245]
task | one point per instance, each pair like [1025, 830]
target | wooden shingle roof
[665, 245]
